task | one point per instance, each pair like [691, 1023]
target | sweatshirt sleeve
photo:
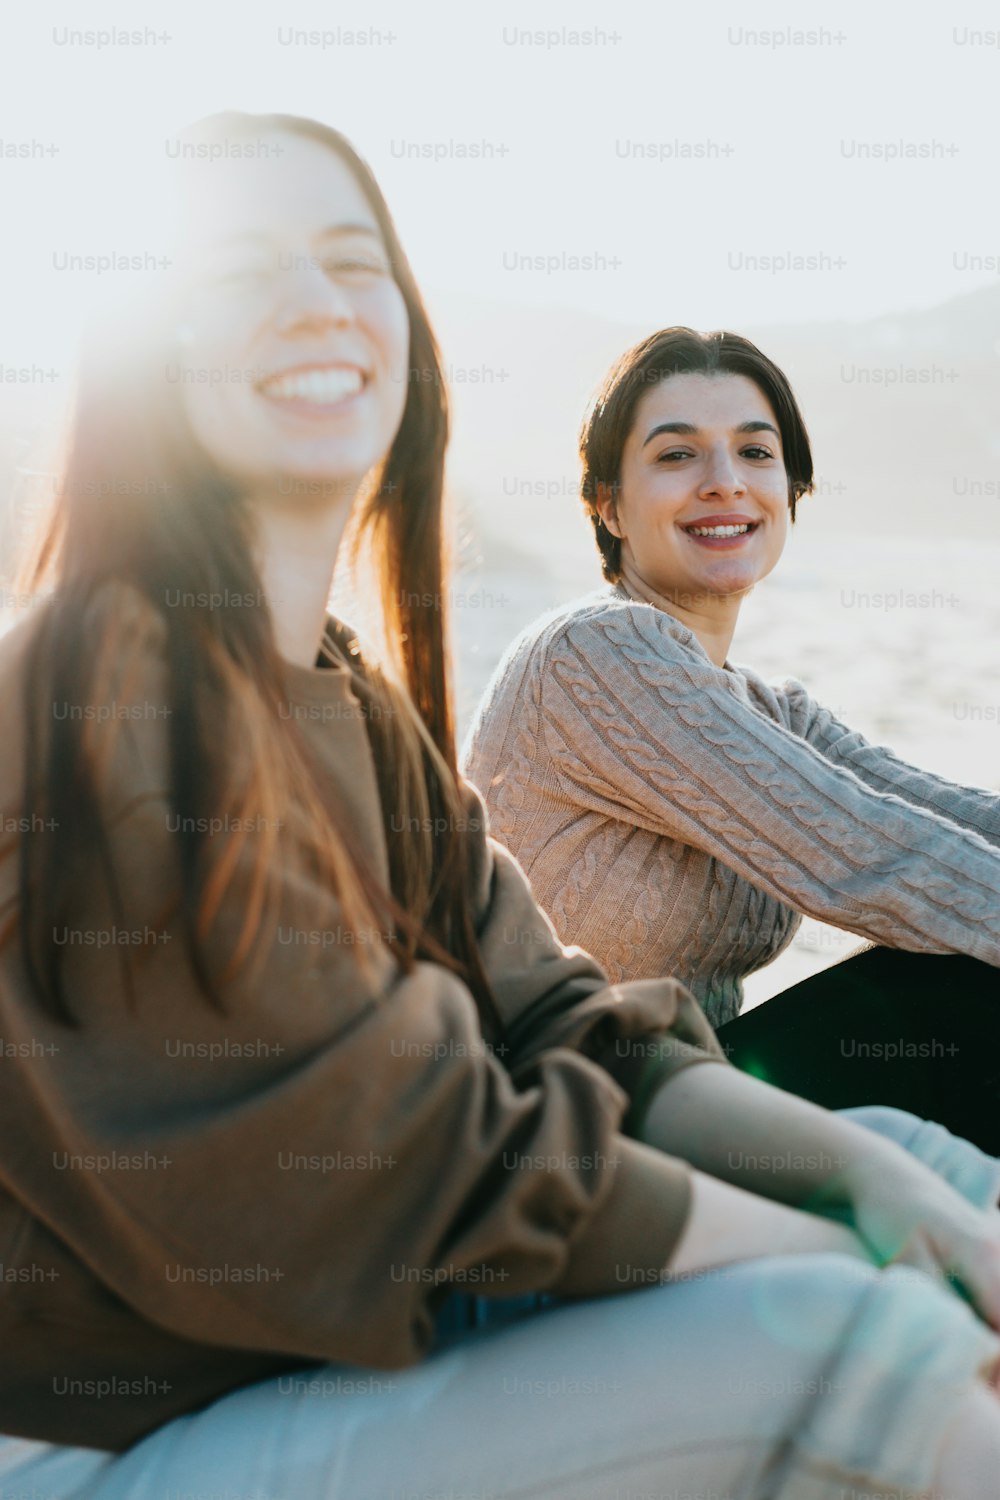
[313, 1170]
[641, 728]
[976, 809]
[551, 995]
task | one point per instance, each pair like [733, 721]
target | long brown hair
[140, 503]
[673, 351]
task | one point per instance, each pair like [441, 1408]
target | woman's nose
[313, 297]
[722, 477]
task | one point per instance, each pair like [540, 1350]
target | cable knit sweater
[676, 817]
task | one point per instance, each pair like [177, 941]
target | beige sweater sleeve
[976, 809]
[642, 727]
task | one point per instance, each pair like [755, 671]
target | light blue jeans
[789, 1378]
[975, 1175]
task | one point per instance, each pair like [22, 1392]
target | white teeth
[321, 386]
[719, 530]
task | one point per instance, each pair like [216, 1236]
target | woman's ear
[606, 505]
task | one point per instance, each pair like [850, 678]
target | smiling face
[293, 342]
[703, 503]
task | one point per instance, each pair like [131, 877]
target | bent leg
[919, 1032]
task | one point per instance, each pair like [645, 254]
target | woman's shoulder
[124, 602]
[126, 696]
[579, 642]
[606, 618]
[15, 638]
[115, 598]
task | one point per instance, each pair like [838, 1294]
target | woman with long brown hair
[315, 1143]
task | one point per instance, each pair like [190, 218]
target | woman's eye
[673, 455]
[355, 265]
[756, 451]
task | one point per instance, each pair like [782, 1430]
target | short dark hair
[677, 351]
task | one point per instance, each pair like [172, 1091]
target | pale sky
[769, 146]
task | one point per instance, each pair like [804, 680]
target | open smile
[315, 389]
[723, 532]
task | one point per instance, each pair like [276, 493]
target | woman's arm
[643, 729]
[727, 1224]
[974, 808]
[778, 1146]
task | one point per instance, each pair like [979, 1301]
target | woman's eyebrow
[684, 427]
[359, 228]
[755, 424]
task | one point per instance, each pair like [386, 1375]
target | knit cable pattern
[679, 818]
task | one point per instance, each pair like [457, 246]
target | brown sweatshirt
[192, 1201]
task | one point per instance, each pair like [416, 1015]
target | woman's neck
[296, 553]
[711, 619]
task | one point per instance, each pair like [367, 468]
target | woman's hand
[736, 1128]
[913, 1217]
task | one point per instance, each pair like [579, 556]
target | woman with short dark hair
[678, 814]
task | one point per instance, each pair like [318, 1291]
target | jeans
[790, 1378]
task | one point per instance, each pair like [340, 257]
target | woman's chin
[333, 477]
[335, 468]
[714, 584]
[310, 480]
